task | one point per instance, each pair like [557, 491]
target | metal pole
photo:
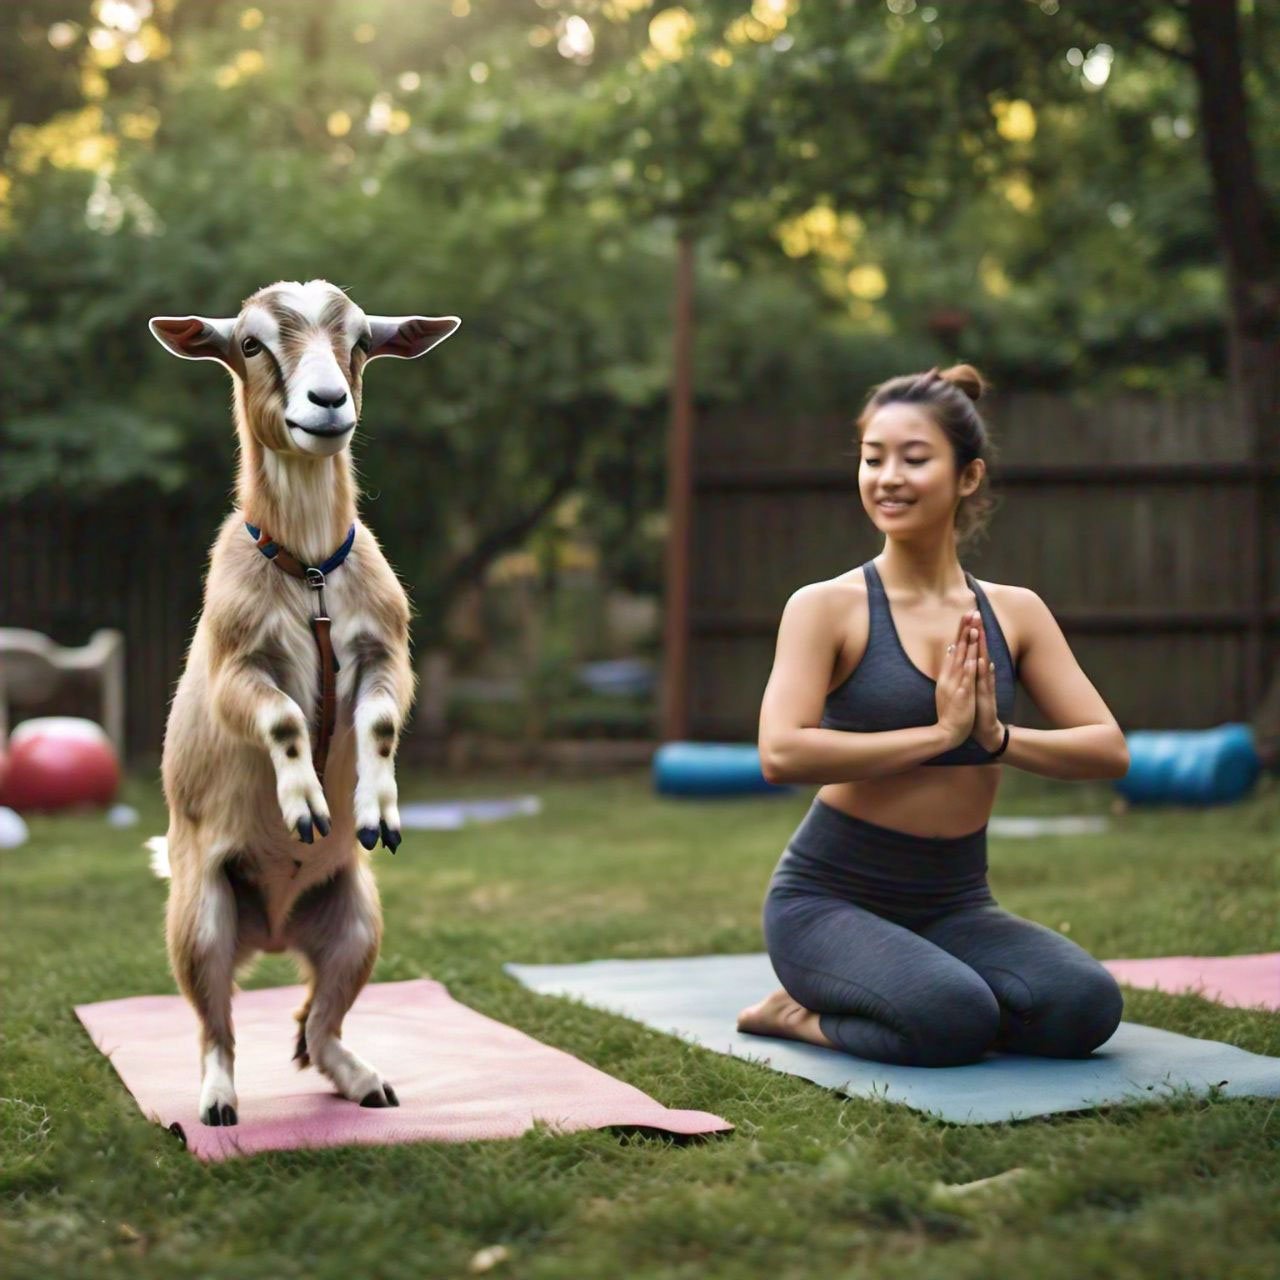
[675, 639]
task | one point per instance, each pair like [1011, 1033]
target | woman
[878, 920]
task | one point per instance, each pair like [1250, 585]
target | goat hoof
[390, 837]
[304, 831]
[374, 1098]
[219, 1116]
[322, 824]
[392, 1100]
[368, 836]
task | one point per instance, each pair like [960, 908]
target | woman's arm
[1087, 742]
[792, 747]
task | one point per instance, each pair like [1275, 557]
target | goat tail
[159, 846]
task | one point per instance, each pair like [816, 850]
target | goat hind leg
[337, 927]
[300, 1054]
[202, 948]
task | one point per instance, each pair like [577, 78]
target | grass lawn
[810, 1184]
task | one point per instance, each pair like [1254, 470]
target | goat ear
[195, 337]
[408, 336]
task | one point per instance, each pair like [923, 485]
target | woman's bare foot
[779, 1015]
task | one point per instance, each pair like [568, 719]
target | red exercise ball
[58, 762]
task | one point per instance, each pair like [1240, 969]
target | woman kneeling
[879, 920]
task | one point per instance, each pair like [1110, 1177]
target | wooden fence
[1148, 525]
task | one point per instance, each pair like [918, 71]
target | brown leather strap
[282, 558]
[328, 700]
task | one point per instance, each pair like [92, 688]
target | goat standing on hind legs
[283, 729]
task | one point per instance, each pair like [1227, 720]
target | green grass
[808, 1184]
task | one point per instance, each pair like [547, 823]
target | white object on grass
[13, 829]
[122, 815]
[1081, 825]
[453, 815]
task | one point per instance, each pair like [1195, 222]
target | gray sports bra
[886, 690]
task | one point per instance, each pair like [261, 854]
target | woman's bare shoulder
[1013, 597]
[832, 613]
[834, 596]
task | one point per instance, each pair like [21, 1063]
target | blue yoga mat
[699, 997]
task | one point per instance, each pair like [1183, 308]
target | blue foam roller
[1190, 766]
[709, 769]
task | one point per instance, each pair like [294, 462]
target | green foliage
[92, 448]
[861, 203]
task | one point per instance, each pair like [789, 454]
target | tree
[896, 182]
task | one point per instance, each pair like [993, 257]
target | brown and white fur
[261, 857]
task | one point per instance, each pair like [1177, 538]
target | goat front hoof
[219, 1116]
[390, 837]
[368, 836]
[383, 1097]
[303, 828]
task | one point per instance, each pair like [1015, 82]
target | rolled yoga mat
[698, 998]
[1190, 766]
[459, 1075]
[710, 769]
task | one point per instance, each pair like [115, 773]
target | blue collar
[273, 551]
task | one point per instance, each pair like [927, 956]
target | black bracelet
[1003, 745]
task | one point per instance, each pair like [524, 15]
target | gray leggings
[895, 940]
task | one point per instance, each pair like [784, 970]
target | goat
[243, 785]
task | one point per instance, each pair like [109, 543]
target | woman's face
[906, 472]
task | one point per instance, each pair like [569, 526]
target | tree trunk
[675, 645]
[431, 720]
[1244, 221]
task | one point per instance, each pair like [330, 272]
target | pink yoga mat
[459, 1075]
[1245, 982]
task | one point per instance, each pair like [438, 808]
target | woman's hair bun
[967, 378]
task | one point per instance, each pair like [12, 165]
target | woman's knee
[1080, 1012]
[956, 1023]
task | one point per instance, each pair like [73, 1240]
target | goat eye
[364, 342]
[251, 346]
